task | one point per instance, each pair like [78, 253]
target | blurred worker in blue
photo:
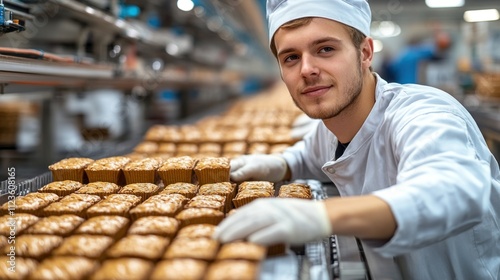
[406, 67]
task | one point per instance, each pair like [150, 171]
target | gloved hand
[269, 221]
[270, 168]
[302, 125]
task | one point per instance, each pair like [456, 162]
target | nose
[309, 67]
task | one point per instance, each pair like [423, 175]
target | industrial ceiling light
[481, 15]
[385, 29]
[185, 5]
[444, 3]
[378, 46]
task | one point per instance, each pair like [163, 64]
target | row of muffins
[110, 219]
[205, 149]
[126, 170]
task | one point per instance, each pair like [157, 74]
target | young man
[416, 177]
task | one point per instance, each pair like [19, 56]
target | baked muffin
[75, 204]
[23, 267]
[84, 245]
[62, 225]
[177, 169]
[295, 190]
[242, 250]
[159, 205]
[212, 170]
[186, 189]
[32, 203]
[100, 189]
[146, 147]
[142, 170]
[190, 134]
[199, 203]
[186, 149]
[214, 197]
[191, 216]
[258, 148]
[70, 169]
[172, 134]
[237, 134]
[107, 170]
[61, 188]
[185, 269]
[123, 268]
[239, 147]
[210, 148]
[156, 225]
[34, 246]
[115, 204]
[143, 190]
[225, 189]
[20, 220]
[112, 226]
[196, 231]
[167, 148]
[150, 247]
[257, 185]
[63, 268]
[155, 133]
[233, 270]
[192, 248]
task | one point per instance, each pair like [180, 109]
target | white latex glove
[269, 221]
[270, 168]
[302, 125]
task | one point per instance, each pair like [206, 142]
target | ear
[367, 52]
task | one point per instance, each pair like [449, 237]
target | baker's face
[320, 67]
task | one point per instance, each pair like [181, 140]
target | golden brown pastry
[16, 269]
[34, 246]
[144, 190]
[20, 220]
[61, 188]
[177, 169]
[112, 226]
[142, 170]
[233, 270]
[100, 189]
[185, 269]
[70, 169]
[62, 225]
[32, 203]
[186, 189]
[157, 225]
[75, 204]
[197, 231]
[191, 216]
[192, 248]
[63, 268]
[124, 268]
[242, 250]
[149, 247]
[107, 170]
[84, 245]
[212, 170]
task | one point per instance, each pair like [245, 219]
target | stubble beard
[349, 99]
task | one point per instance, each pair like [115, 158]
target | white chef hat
[354, 13]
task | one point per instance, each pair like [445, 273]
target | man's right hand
[270, 168]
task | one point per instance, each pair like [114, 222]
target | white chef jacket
[421, 152]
